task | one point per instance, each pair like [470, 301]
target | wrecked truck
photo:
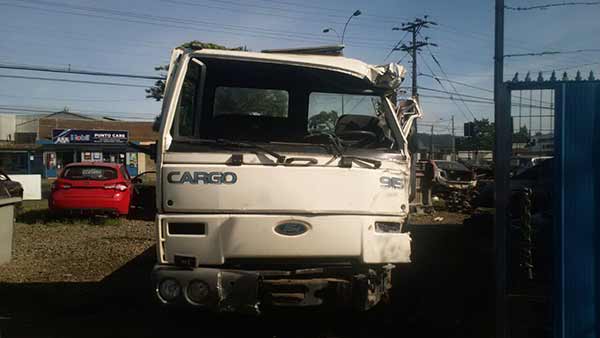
[283, 180]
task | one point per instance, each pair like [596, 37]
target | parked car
[92, 187]
[537, 178]
[8, 187]
[519, 164]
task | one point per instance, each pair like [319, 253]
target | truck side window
[185, 116]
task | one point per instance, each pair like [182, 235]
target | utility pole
[414, 27]
[502, 153]
[431, 143]
[453, 157]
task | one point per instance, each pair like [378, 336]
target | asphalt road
[445, 292]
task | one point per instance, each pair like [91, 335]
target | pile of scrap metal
[451, 181]
[483, 171]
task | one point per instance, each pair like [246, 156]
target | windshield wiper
[334, 142]
[347, 160]
[228, 143]
[338, 150]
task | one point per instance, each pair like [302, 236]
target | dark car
[9, 188]
[537, 179]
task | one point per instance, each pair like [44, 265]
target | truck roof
[394, 73]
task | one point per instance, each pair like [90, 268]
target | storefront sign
[66, 136]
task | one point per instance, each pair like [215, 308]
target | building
[541, 144]
[44, 144]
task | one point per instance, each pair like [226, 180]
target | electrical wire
[38, 98]
[576, 51]
[444, 87]
[72, 81]
[396, 46]
[446, 76]
[77, 71]
[163, 21]
[471, 86]
[558, 4]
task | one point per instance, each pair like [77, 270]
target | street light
[327, 30]
[356, 13]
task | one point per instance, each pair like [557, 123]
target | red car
[92, 187]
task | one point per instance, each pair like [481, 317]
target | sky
[134, 36]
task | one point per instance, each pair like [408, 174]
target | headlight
[169, 289]
[198, 291]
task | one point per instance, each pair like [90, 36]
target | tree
[522, 136]
[485, 136]
[323, 121]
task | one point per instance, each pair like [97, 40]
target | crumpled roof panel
[386, 76]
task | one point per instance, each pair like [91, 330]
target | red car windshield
[90, 173]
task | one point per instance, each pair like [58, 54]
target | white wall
[7, 127]
[28, 123]
[32, 186]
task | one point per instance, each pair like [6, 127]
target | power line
[559, 4]
[67, 99]
[457, 82]
[452, 93]
[485, 102]
[471, 86]
[76, 71]
[18, 111]
[320, 12]
[452, 99]
[254, 9]
[402, 58]
[134, 17]
[396, 46]
[72, 81]
[451, 84]
[163, 21]
[460, 109]
[576, 51]
[91, 112]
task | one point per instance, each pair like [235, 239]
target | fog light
[169, 289]
[198, 291]
[387, 227]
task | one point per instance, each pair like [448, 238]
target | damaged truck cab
[283, 180]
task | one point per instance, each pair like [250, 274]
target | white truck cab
[283, 179]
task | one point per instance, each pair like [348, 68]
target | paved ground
[444, 293]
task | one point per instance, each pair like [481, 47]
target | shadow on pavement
[444, 293]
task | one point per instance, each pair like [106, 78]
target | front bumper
[245, 291]
[229, 290]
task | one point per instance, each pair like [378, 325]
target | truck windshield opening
[225, 99]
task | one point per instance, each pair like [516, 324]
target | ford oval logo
[291, 229]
